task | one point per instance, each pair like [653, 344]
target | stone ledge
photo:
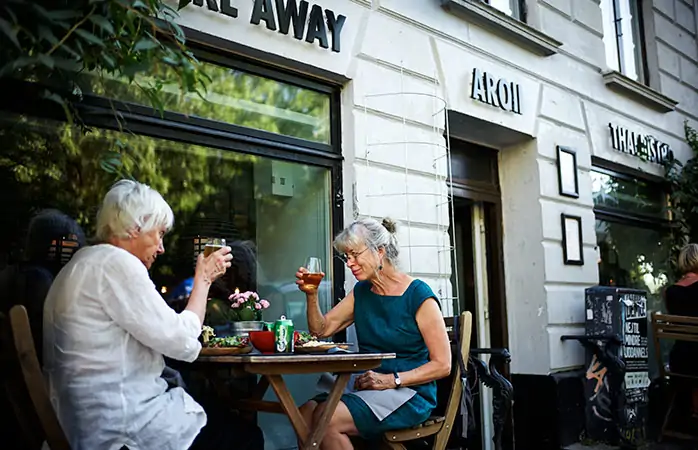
[638, 91]
[525, 36]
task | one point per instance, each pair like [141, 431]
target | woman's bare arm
[431, 324]
[336, 320]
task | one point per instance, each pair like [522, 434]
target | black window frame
[638, 28]
[100, 112]
[622, 216]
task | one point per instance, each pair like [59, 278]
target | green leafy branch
[683, 204]
[57, 42]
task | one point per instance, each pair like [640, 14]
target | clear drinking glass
[314, 275]
[213, 245]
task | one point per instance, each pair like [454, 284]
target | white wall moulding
[638, 91]
[572, 249]
[568, 179]
[488, 17]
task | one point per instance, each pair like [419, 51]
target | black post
[502, 389]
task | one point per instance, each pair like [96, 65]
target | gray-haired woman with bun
[394, 313]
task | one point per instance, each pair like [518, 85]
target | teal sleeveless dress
[388, 324]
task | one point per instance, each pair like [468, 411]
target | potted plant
[239, 315]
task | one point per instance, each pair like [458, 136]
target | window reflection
[632, 196]
[213, 193]
[637, 258]
[632, 257]
[234, 97]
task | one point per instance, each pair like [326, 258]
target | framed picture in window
[567, 172]
[572, 252]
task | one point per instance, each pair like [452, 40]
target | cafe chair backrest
[667, 327]
[673, 328]
[441, 426]
[23, 383]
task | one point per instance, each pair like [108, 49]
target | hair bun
[389, 225]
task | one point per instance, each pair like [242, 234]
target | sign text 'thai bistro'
[642, 146]
[310, 23]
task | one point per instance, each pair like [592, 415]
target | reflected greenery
[636, 258]
[212, 192]
[632, 196]
[632, 257]
[683, 178]
[54, 165]
[54, 41]
[232, 96]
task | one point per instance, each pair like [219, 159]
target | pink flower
[257, 306]
[264, 303]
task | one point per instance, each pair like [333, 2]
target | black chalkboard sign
[617, 376]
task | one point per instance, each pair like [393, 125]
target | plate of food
[307, 343]
[223, 346]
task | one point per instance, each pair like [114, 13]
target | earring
[380, 267]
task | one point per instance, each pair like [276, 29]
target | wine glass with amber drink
[314, 275]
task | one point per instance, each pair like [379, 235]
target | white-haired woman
[392, 312]
[106, 329]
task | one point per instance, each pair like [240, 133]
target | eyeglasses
[351, 255]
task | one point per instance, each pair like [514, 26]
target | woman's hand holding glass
[310, 276]
[213, 266]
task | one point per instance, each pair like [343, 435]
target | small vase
[243, 328]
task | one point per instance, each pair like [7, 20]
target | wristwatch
[398, 381]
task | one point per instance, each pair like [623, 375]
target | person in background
[106, 329]
[393, 313]
[681, 299]
[52, 238]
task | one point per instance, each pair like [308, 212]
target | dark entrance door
[478, 269]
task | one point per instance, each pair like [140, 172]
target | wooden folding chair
[440, 426]
[23, 383]
[674, 328]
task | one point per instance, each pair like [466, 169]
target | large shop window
[257, 162]
[631, 233]
[622, 29]
[274, 212]
[212, 193]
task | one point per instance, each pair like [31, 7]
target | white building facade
[518, 144]
[520, 81]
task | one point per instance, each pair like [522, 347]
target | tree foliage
[684, 196]
[133, 51]
[54, 41]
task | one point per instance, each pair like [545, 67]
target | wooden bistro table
[272, 367]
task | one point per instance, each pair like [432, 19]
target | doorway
[477, 237]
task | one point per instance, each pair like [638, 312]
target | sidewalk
[652, 446]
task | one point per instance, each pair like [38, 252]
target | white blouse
[106, 329]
